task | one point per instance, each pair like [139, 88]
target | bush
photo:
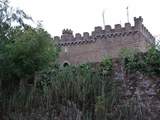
[147, 63]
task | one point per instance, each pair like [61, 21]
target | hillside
[115, 89]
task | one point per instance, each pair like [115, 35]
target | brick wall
[101, 43]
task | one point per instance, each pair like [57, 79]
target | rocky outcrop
[142, 91]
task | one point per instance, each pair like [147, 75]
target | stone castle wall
[85, 48]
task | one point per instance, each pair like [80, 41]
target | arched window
[66, 63]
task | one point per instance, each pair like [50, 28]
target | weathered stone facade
[85, 48]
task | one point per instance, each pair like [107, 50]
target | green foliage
[29, 51]
[127, 53]
[90, 87]
[94, 93]
[81, 85]
[23, 50]
[148, 63]
[106, 66]
[10, 17]
[152, 61]
[128, 59]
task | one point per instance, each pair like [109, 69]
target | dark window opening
[65, 64]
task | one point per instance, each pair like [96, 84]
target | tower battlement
[67, 37]
[81, 48]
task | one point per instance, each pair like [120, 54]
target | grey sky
[84, 15]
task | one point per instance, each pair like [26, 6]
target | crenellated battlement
[101, 42]
[67, 38]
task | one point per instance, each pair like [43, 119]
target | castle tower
[85, 48]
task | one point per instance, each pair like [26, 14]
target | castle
[85, 48]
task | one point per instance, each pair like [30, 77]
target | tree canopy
[24, 50]
[27, 51]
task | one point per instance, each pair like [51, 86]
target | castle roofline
[67, 37]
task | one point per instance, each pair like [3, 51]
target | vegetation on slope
[147, 63]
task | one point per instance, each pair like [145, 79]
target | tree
[23, 50]
[10, 17]
[28, 51]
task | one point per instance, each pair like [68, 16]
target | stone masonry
[109, 42]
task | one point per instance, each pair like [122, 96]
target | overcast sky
[83, 15]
